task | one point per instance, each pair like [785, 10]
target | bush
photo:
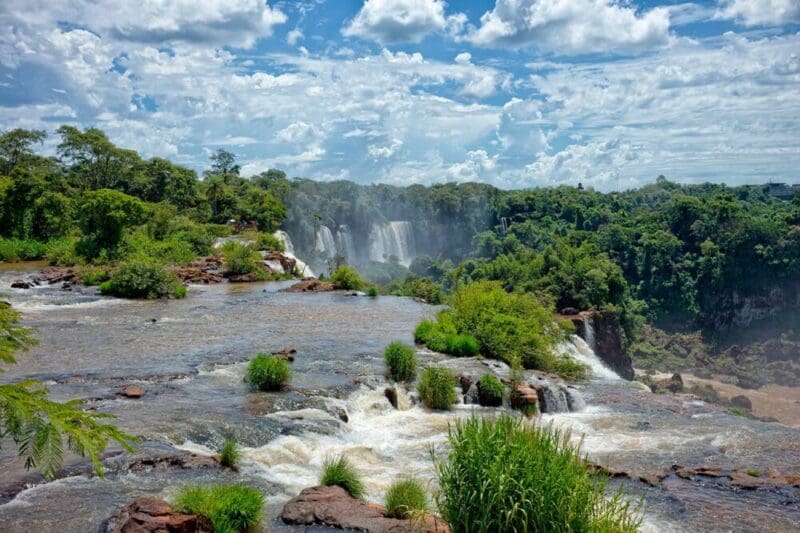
[461, 345]
[229, 454]
[240, 259]
[231, 508]
[91, 275]
[347, 278]
[437, 388]
[180, 291]
[406, 498]
[270, 243]
[441, 336]
[140, 279]
[401, 360]
[502, 475]
[372, 291]
[338, 471]
[268, 372]
[62, 252]
[490, 390]
[415, 287]
[172, 250]
[13, 250]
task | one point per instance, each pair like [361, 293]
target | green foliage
[13, 250]
[460, 345]
[139, 278]
[91, 276]
[229, 454]
[406, 498]
[179, 291]
[490, 390]
[347, 278]
[103, 217]
[339, 471]
[372, 291]
[171, 250]
[240, 259]
[268, 372]
[401, 360]
[37, 426]
[436, 388]
[505, 475]
[62, 252]
[231, 508]
[269, 242]
[417, 287]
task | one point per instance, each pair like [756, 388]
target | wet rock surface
[333, 507]
[151, 515]
[312, 285]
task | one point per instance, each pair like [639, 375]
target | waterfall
[393, 239]
[588, 332]
[325, 242]
[345, 244]
[282, 236]
[580, 350]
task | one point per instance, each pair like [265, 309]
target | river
[190, 356]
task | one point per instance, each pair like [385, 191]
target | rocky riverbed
[684, 458]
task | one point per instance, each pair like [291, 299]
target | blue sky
[516, 93]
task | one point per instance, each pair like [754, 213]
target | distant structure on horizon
[782, 191]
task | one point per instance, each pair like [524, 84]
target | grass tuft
[268, 372]
[436, 388]
[229, 454]
[406, 498]
[231, 508]
[505, 475]
[339, 471]
[401, 360]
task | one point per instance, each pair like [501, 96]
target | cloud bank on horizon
[517, 93]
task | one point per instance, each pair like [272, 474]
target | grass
[229, 454]
[340, 472]
[231, 508]
[504, 475]
[441, 337]
[268, 372]
[13, 250]
[436, 388]
[490, 390]
[401, 360]
[406, 498]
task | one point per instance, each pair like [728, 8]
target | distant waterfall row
[395, 239]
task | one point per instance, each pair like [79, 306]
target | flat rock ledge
[312, 285]
[334, 507]
[151, 515]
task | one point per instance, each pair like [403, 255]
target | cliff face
[736, 310]
[609, 342]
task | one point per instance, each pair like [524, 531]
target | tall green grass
[268, 372]
[229, 454]
[340, 472]
[401, 360]
[231, 508]
[406, 498]
[13, 250]
[436, 388]
[503, 475]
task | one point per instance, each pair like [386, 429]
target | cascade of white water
[588, 332]
[282, 236]
[345, 244]
[579, 350]
[325, 242]
[300, 268]
[393, 239]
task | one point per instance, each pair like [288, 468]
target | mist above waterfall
[395, 239]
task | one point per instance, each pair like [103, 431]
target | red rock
[132, 391]
[311, 285]
[151, 515]
[524, 398]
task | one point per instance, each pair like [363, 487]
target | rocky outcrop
[151, 515]
[735, 309]
[132, 391]
[279, 263]
[312, 285]
[524, 398]
[334, 507]
[49, 276]
[204, 270]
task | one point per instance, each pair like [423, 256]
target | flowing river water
[190, 356]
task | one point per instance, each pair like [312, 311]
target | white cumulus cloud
[760, 12]
[395, 21]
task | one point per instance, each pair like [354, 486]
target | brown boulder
[334, 507]
[391, 395]
[286, 353]
[132, 391]
[311, 285]
[151, 515]
[524, 398]
[742, 402]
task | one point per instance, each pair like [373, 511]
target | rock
[748, 382]
[132, 391]
[673, 384]
[391, 395]
[286, 353]
[471, 395]
[333, 507]
[54, 274]
[524, 398]
[287, 263]
[567, 311]
[742, 402]
[244, 278]
[204, 270]
[311, 285]
[487, 398]
[151, 515]
[21, 284]
[465, 380]
[609, 338]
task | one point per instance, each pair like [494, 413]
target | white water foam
[579, 350]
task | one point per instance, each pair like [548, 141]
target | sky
[516, 93]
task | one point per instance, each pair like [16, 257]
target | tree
[224, 162]
[103, 216]
[15, 146]
[95, 162]
[39, 426]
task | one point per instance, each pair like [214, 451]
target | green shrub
[172, 250]
[62, 252]
[268, 372]
[338, 471]
[91, 275]
[441, 336]
[229, 454]
[231, 508]
[140, 279]
[372, 291]
[401, 360]
[490, 390]
[417, 287]
[406, 498]
[436, 388]
[503, 475]
[240, 259]
[270, 243]
[13, 250]
[460, 345]
[347, 278]
[180, 291]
